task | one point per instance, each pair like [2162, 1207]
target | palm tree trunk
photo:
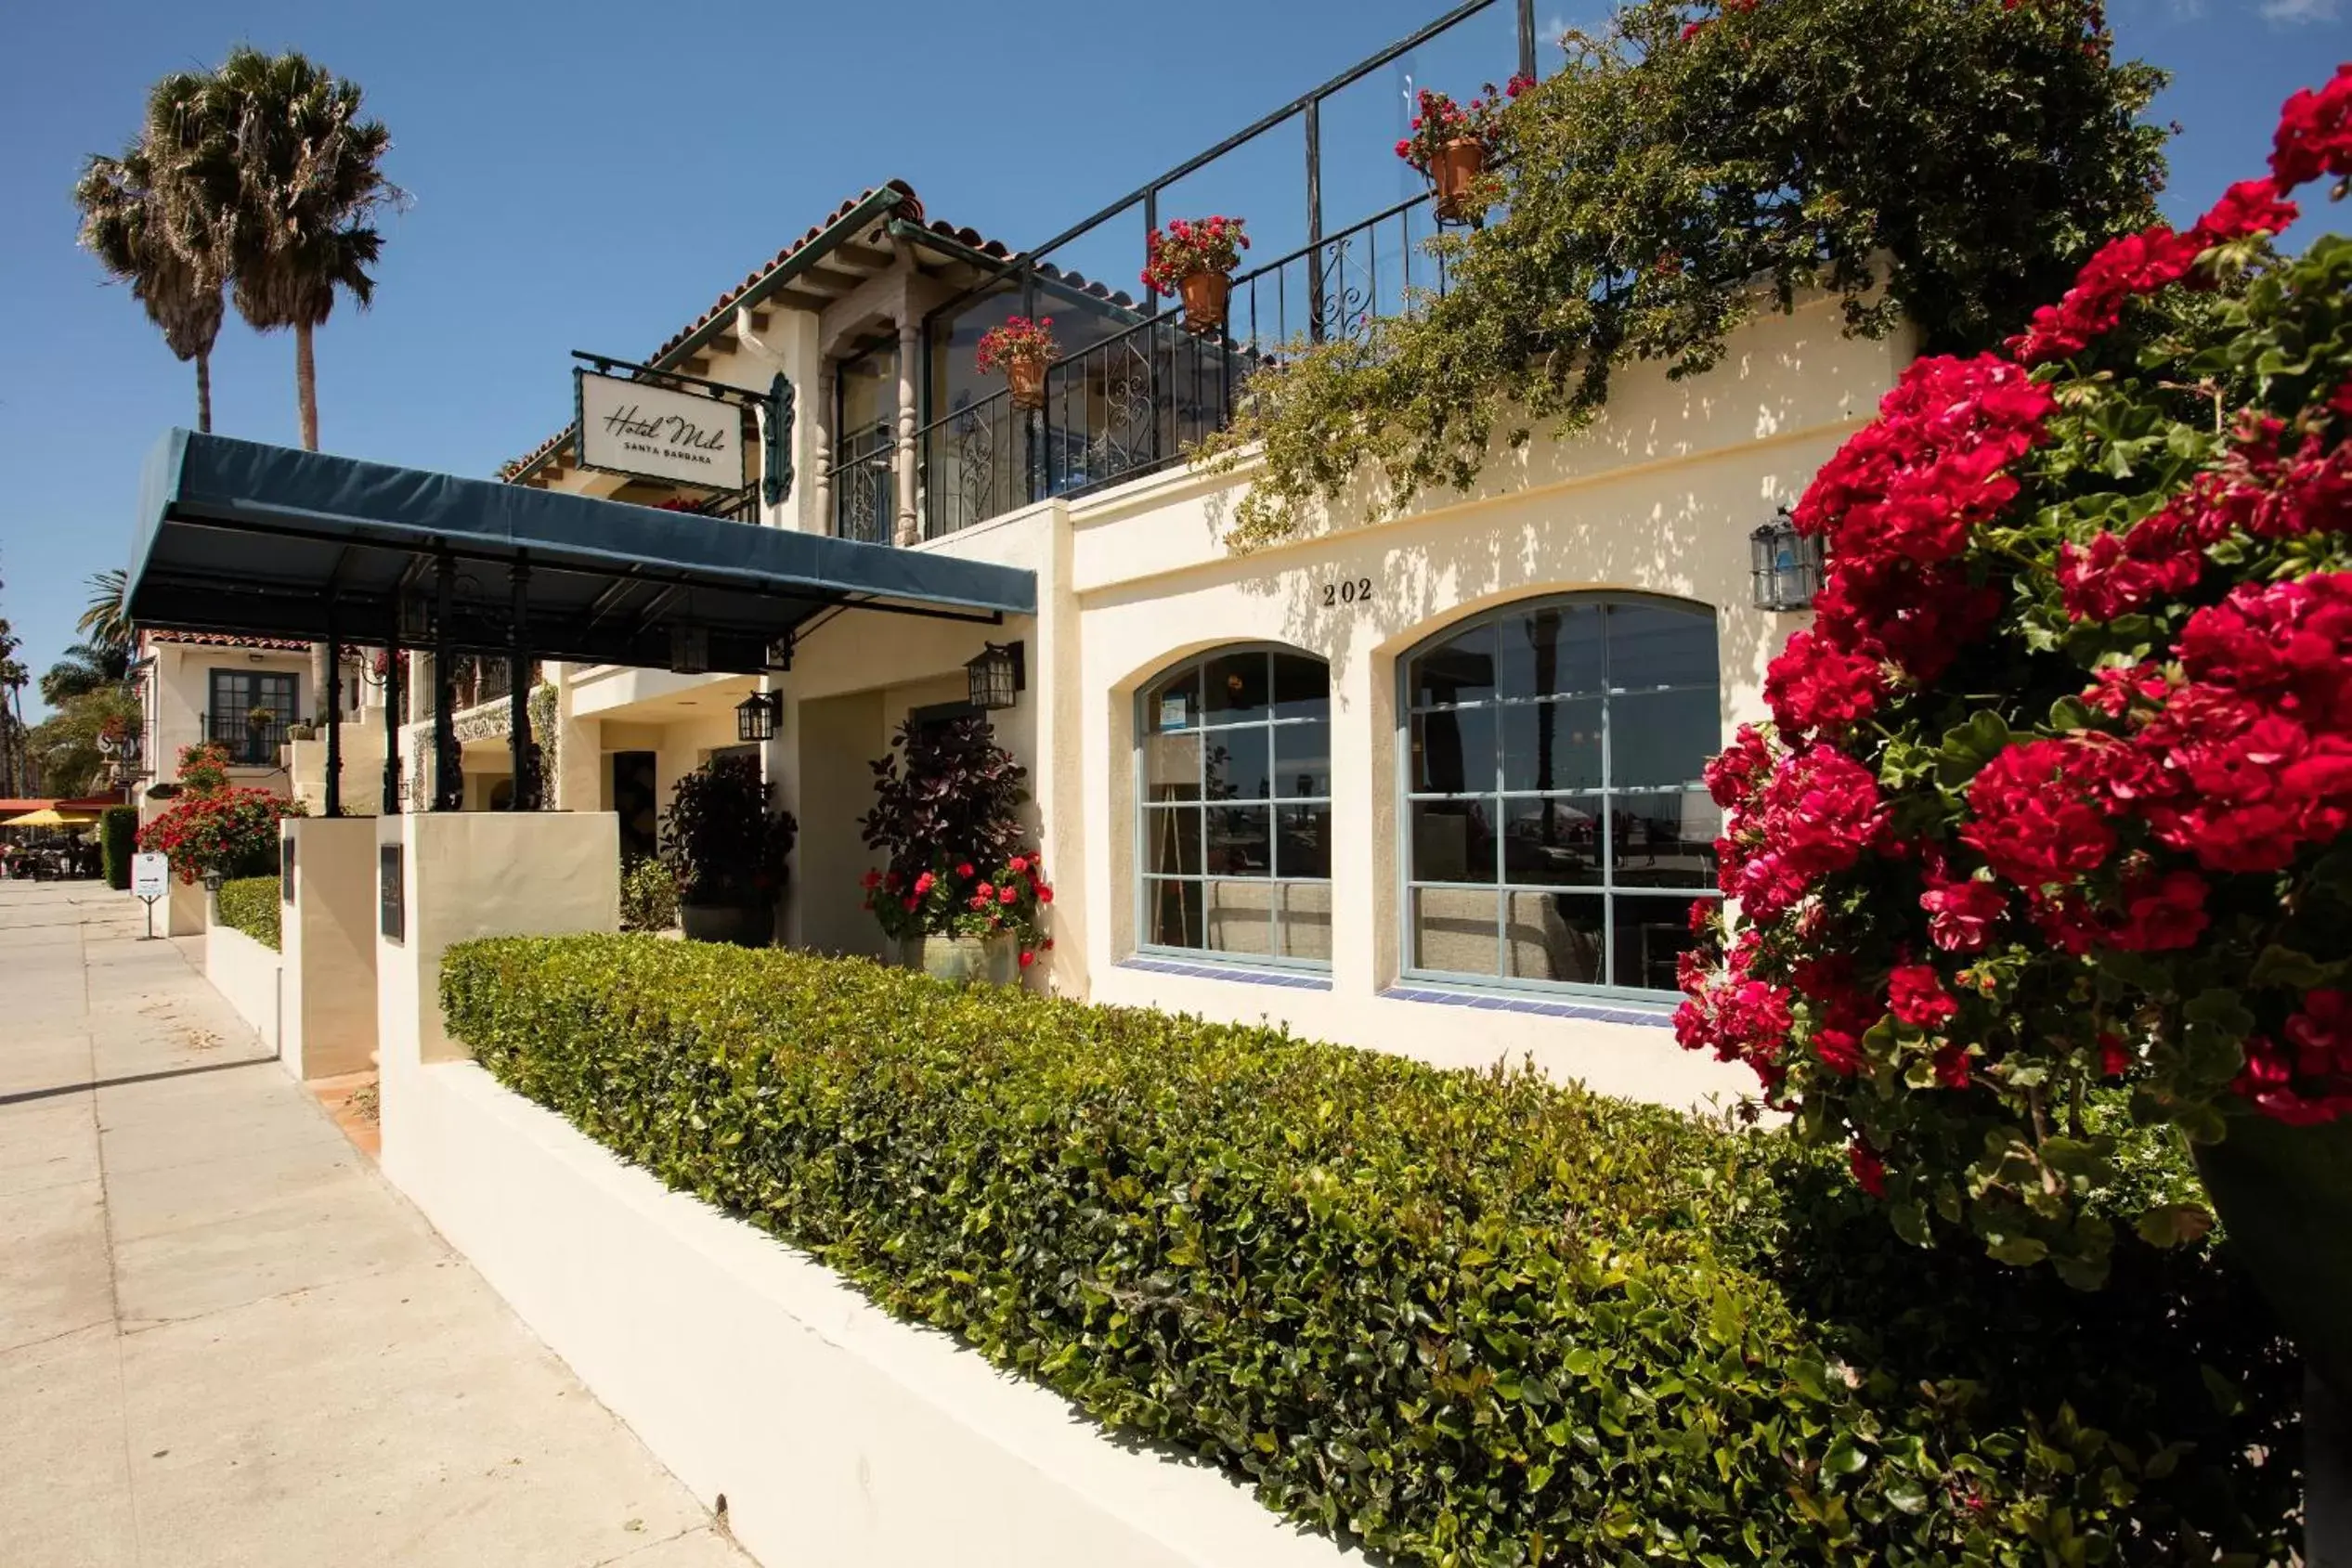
[306, 390]
[205, 392]
[306, 386]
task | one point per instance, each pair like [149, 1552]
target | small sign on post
[150, 880]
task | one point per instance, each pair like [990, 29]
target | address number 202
[1356, 590]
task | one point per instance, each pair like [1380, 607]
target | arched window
[1554, 826]
[1233, 808]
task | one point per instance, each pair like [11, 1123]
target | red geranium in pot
[1455, 145]
[1022, 349]
[1195, 258]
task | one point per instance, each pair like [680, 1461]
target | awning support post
[393, 696]
[521, 753]
[334, 698]
[448, 778]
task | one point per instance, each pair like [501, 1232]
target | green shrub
[249, 903]
[118, 841]
[1469, 1317]
[648, 897]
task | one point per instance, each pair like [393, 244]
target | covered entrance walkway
[248, 539]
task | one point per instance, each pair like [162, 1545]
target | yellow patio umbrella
[49, 816]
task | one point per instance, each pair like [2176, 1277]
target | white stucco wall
[246, 974]
[178, 694]
[837, 1433]
[1658, 496]
[327, 936]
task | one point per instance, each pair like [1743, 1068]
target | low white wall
[328, 945]
[247, 973]
[837, 1433]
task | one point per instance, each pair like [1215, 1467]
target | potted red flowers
[1453, 145]
[1195, 258]
[1022, 349]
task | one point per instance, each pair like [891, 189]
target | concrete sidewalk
[225, 1339]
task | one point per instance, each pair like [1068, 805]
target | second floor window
[249, 711]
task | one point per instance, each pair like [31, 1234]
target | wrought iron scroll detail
[777, 456]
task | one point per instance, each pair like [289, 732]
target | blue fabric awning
[248, 539]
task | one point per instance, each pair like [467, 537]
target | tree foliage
[1944, 162]
[151, 227]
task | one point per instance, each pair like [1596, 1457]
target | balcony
[1138, 386]
[249, 745]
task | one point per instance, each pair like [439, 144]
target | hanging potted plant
[727, 850]
[1455, 145]
[1194, 258]
[945, 818]
[1022, 348]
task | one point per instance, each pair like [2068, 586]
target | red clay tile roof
[909, 210]
[222, 639]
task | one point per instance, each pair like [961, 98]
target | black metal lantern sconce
[1785, 564]
[756, 716]
[1000, 672]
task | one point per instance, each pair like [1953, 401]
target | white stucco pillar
[910, 335]
[820, 436]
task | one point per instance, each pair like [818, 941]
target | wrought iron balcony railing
[249, 745]
[1141, 399]
[864, 486]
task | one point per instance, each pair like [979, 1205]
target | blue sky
[592, 174]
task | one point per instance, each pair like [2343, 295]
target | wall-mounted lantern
[756, 716]
[1785, 564]
[999, 672]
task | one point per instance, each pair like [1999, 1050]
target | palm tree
[148, 226]
[293, 181]
[105, 623]
[306, 176]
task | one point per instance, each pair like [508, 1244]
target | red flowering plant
[230, 830]
[1190, 245]
[1438, 120]
[203, 767]
[2045, 846]
[1017, 338]
[966, 898]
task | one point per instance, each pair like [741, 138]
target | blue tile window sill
[1286, 978]
[1503, 1002]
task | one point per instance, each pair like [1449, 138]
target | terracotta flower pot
[1025, 374]
[963, 960]
[743, 925]
[1206, 296]
[1456, 169]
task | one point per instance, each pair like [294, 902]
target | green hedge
[1471, 1318]
[118, 841]
[249, 903]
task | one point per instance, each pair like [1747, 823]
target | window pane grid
[1234, 810]
[1588, 924]
[236, 694]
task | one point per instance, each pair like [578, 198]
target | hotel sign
[656, 433]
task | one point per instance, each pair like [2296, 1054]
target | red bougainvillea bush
[2051, 816]
[230, 829]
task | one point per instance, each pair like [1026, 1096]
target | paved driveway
[225, 1339]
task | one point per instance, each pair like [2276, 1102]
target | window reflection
[1246, 732]
[1556, 832]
